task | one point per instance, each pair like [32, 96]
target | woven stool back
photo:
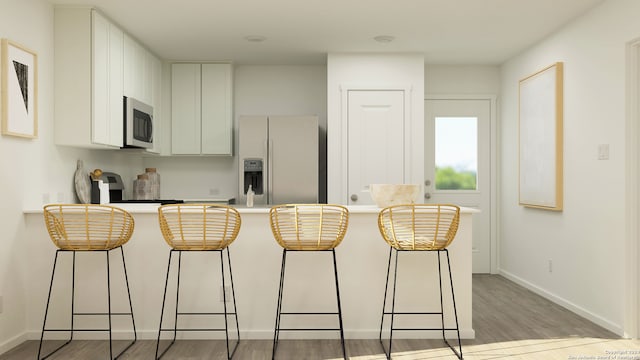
[309, 226]
[198, 226]
[419, 226]
[86, 227]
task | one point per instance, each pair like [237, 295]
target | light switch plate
[603, 152]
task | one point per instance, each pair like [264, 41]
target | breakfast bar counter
[362, 260]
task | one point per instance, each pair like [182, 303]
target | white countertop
[152, 208]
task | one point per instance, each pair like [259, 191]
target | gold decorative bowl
[394, 194]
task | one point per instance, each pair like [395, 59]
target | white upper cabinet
[88, 79]
[138, 71]
[201, 111]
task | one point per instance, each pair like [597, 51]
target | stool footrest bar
[197, 313]
[412, 313]
[179, 329]
[98, 314]
[308, 313]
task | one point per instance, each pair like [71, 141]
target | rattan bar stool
[88, 228]
[419, 227]
[199, 227]
[308, 227]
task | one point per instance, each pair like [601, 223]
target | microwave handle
[150, 128]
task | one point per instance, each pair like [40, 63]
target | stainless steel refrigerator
[278, 157]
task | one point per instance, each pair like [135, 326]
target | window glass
[456, 153]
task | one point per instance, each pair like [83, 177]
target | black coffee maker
[116, 187]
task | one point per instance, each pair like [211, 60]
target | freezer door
[252, 144]
[293, 159]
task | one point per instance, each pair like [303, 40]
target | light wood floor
[510, 323]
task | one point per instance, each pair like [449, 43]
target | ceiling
[303, 32]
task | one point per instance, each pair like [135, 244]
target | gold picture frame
[18, 90]
[540, 110]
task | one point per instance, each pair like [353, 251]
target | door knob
[427, 196]
[354, 197]
[427, 182]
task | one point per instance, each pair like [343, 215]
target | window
[456, 153]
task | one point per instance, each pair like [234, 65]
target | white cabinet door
[158, 119]
[217, 120]
[116, 102]
[130, 80]
[185, 109]
[107, 114]
[100, 128]
[376, 142]
[201, 111]
[138, 71]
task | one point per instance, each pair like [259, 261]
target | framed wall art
[19, 90]
[540, 138]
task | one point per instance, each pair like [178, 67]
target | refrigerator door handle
[269, 144]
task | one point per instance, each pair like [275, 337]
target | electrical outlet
[227, 293]
[550, 264]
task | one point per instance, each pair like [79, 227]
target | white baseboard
[13, 342]
[613, 327]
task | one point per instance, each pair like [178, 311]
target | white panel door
[458, 164]
[376, 141]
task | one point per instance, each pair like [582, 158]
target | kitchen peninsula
[362, 264]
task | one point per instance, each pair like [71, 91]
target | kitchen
[45, 170]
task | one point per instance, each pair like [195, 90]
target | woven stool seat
[85, 227]
[311, 227]
[419, 226]
[198, 226]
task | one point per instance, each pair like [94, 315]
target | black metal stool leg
[441, 299]
[279, 306]
[133, 322]
[335, 270]
[384, 300]
[46, 312]
[175, 322]
[226, 313]
[73, 292]
[233, 294]
[164, 298]
[393, 304]
[235, 310]
[455, 310]
[109, 306]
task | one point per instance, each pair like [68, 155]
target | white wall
[461, 79]
[374, 72]
[586, 241]
[34, 169]
[258, 90]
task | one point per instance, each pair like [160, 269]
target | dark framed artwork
[19, 90]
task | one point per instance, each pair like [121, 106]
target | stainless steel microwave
[138, 124]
